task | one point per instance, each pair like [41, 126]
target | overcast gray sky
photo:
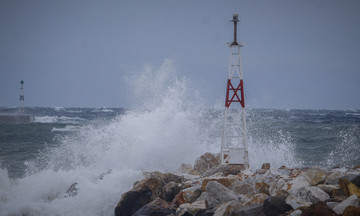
[76, 53]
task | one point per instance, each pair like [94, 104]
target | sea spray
[346, 151]
[106, 158]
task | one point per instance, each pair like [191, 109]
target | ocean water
[105, 150]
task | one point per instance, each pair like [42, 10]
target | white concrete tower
[234, 149]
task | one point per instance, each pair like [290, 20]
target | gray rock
[132, 201]
[243, 187]
[145, 191]
[314, 176]
[72, 191]
[211, 202]
[284, 171]
[191, 208]
[312, 194]
[293, 186]
[277, 187]
[253, 210]
[225, 170]
[274, 206]
[206, 162]
[296, 201]
[170, 190]
[250, 200]
[225, 208]
[332, 204]
[296, 213]
[356, 180]
[191, 194]
[265, 166]
[350, 201]
[234, 208]
[219, 193]
[328, 188]
[157, 207]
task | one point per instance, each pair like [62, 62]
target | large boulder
[224, 170]
[234, 208]
[274, 206]
[170, 190]
[145, 191]
[284, 171]
[318, 209]
[187, 195]
[350, 201]
[157, 207]
[278, 187]
[132, 200]
[206, 162]
[356, 180]
[353, 189]
[226, 209]
[312, 194]
[244, 187]
[191, 208]
[210, 201]
[226, 181]
[293, 186]
[347, 188]
[252, 210]
[219, 193]
[166, 177]
[251, 200]
[191, 194]
[262, 187]
[314, 176]
[333, 176]
[351, 211]
[328, 188]
[265, 166]
[295, 213]
[297, 202]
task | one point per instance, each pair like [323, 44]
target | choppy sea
[105, 150]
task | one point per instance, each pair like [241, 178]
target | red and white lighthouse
[234, 149]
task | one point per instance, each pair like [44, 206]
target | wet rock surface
[213, 189]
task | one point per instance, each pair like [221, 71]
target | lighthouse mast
[234, 149]
[21, 99]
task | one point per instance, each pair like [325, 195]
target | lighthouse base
[236, 156]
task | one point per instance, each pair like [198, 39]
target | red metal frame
[235, 94]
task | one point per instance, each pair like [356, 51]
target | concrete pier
[16, 118]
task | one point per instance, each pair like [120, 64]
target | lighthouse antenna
[235, 20]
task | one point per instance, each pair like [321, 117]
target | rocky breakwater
[212, 189]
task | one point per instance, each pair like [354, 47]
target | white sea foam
[57, 119]
[66, 128]
[103, 109]
[105, 158]
[58, 108]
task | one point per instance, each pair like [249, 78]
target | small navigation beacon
[22, 98]
[234, 149]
